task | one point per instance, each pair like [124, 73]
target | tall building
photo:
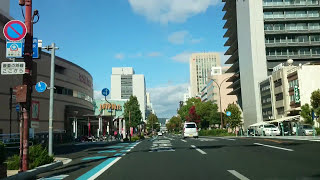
[200, 63]
[187, 96]
[149, 105]
[5, 7]
[124, 83]
[245, 33]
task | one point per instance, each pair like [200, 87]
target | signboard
[278, 67]
[296, 94]
[41, 87]
[110, 107]
[228, 113]
[17, 108]
[35, 48]
[35, 114]
[15, 30]
[105, 92]
[14, 49]
[11, 68]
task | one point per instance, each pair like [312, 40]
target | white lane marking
[183, 140]
[202, 152]
[104, 169]
[273, 147]
[238, 175]
[230, 139]
[226, 138]
[315, 140]
[55, 177]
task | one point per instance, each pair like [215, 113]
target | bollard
[297, 129]
[282, 129]
[314, 131]
[241, 132]
[247, 132]
[254, 132]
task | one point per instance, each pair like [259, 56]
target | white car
[159, 133]
[190, 130]
[268, 130]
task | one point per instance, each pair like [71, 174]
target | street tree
[306, 113]
[174, 124]
[152, 122]
[184, 110]
[132, 113]
[208, 113]
[193, 116]
[235, 119]
[315, 101]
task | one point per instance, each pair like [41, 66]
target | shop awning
[258, 124]
[289, 118]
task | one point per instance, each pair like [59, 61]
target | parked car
[268, 130]
[305, 130]
[190, 130]
[251, 131]
[160, 133]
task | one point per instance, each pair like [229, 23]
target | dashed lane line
[275, 147]
[183, 140]
[202, 152]
[238, 175]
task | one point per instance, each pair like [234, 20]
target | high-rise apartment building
[124, 83]
[200, 63]
[273, 31]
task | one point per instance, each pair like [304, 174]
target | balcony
[232, 49]
[235, 84]
[293, 44]
[233, 68]
[235, 91]
[284, 5]
[295, 56]
[290, 19]
[291, 31]
[233, 58]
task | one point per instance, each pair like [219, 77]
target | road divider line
[230, 139]
[273, 147]
[315, 140]
[238, 175]
[202, 152]
[183, 140]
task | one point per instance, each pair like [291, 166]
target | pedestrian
[115, 135]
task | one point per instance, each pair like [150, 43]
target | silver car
[305, 130]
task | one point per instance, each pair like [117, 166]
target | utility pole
[51, 48]
[10, 108]
[26, 88]
[130, 124]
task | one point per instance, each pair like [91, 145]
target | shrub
[38, 156]
[134, 138]
[318, 131]
[3, 153]
[13, 162]
[215, 132]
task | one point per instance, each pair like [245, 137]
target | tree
[132, 108]
[152, 122]
[315, 101]
[235, 119]
[184, 110]
[174, 124]
[306, 114]
[208, 113]
[193, 116]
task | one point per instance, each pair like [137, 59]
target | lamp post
[219, 88]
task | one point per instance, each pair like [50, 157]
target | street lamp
[219, 87]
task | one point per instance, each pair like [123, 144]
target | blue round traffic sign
[41, 87]
[17, 108]
[15, 30]
[228, 113]
[105, 92]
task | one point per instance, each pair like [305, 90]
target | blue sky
[155, 37]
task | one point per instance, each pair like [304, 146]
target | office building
[200, 63]
[150, 109]
[186, 96]
[124, 83]
[262, 34]
[286, 90]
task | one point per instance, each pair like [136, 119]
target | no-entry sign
[15, 30]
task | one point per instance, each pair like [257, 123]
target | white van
[190, 130]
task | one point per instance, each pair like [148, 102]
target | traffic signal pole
[27, 81]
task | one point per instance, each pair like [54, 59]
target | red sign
[15, 30]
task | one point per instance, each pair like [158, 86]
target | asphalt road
[170, 157]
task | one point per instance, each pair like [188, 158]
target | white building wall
[252, 57]
[307, 82]
[123, 70]
[115, 87]
[139, 90]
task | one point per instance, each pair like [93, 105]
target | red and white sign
[15, 30]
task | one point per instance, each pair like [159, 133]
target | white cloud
[119, 56]
[154, 54]
[97, 95]
[195, 41]
[183, 57]
[178, 37]
[137, 55]
[174, 11]
[165, 99]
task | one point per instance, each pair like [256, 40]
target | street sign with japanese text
[296, 94]
[14, 49]
[35, 48]
[11, 68]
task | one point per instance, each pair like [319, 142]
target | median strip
[273, 147]
[238, 175]
[202, 152]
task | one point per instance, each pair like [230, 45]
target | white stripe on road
[183, 140]
[315, 140]
[202, 152]
[231, 139]
[226, 138]
[273, 147]
[238, 175]
[104, 169]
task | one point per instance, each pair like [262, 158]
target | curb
[30, 174]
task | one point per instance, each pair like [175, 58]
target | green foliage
[215, 132]
[315, 99]
[208, 113]
[153, 122]
[13, 162]
[184, 110]
[38, 156]
[3, 153]
[306, 114]
[318, 131]
[132, 108]
[235, 119]
[135, 138]
[174, 124]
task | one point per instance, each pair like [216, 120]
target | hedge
[215, 132]
[3, 153]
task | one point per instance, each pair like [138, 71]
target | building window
[59, 69]
[279, 96]
[280, 110]
[278, 83]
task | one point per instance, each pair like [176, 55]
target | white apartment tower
[200, 63]
[124, 83]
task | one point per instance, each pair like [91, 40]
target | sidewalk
[302, 138]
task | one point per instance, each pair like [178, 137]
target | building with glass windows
[200, 64]
[261, 34]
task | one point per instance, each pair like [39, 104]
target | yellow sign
[110, 106]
